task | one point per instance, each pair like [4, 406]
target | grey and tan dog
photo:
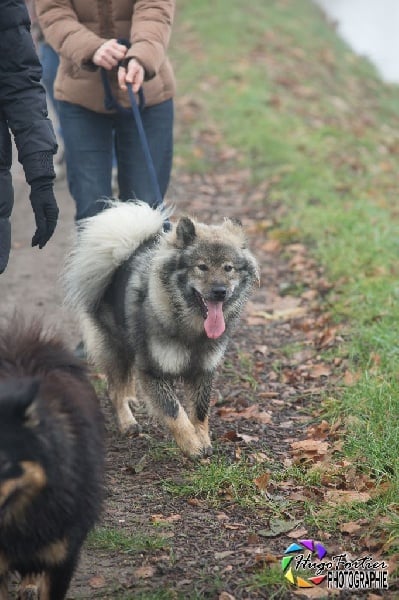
[155, 307]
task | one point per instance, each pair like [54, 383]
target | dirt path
[161, 537]
[30, 283]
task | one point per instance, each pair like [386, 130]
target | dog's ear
[185, 232]
[235, 227]
[18, 394]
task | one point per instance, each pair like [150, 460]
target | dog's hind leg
[30, 592]
[105, 355]
[3, 577]
[200, 390]
[121, 392]
[3, 588]
[34, 587]
[166, 407]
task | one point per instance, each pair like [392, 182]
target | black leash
[144, 144]
[111, 103]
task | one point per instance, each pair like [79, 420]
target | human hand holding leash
[132, 72]
[109, 54]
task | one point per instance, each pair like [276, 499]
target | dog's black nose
[219, 293]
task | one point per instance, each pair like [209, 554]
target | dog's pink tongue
[214, 323]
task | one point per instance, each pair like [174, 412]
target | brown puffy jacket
[77, 28]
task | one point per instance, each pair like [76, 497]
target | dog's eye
[228, 268]
[202, 267]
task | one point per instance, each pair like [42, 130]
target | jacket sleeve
[65, 33]
[23, 98]
[150, 33]
[7, 192]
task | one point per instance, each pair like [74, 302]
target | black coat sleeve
[22, 96]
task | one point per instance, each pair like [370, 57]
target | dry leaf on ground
[162, 519]
[251, 412]
[144, 572]
[97, 582]
[344, 496]
[262, 482]
[297, 533]
[311, 450]
[350, 527]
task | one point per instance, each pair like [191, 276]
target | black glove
[5, 243]
[45, 209]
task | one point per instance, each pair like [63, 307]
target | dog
[155, 307]
[51, 461]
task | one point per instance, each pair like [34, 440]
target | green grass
[145, 595]
[270, 578]
[309, 116]
[221, 480]
[115, 540]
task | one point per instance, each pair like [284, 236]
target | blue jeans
[89, 140]
[50, 61]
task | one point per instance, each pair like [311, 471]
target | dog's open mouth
[212, 312]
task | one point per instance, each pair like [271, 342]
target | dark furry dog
[51, 461]
[155, 307]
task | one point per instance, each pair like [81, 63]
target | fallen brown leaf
[226, 596]
[311, 592]
[262, 482]
[266, 558]
[327, 337]
[345, 496]
[308, 449]
[97, 582]
[371, 543]
[319, 370]
[253, 539]
[351, 378]
[298, 497]
[144, 572]
[258, 457]
[162, 519]
[297, 533]
[235, 436]
[350, 527]
[271, 246]
[195, 502]
[251, 412]
[233, 526]
[319, 431]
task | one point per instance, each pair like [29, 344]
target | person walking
[23, 111]
[49, 61]
[126, 41]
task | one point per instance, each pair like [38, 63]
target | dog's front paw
[190, 446]
[202, 431]
[198, 451]
[207, 451]
[29, 592]
[193, 441]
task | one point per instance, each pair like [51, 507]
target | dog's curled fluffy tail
[102, 244]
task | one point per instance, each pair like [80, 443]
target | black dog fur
[51, 460]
